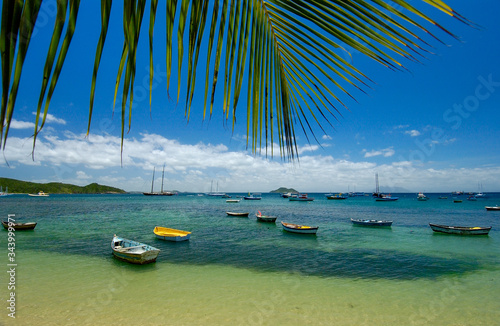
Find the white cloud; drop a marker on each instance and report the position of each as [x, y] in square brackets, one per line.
[326, 137]
[15, 124]
[412, 133]
[75, 159]
[50, 118]
[387, 152]
[82, 175]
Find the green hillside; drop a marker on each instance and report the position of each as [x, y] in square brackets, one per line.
[24, 187]
[283, 190]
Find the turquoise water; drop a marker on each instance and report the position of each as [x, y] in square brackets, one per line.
[237, 271]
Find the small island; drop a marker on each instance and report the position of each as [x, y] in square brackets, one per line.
[283, 190]
[24, 187]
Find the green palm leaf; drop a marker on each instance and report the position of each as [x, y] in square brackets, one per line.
[289, 53]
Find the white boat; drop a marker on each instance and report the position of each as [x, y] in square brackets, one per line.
[253, 197]
[422, 197]
[232, 200]
[133, 252]
[39, 194]
[297, 228]
[301, 197]
[238, 214]
[2, 193]
[171, 234]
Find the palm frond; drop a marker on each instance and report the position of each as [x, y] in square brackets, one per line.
[293, 56]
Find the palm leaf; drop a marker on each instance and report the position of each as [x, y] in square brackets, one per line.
[289, 52]
[26, 26]
[105, 14]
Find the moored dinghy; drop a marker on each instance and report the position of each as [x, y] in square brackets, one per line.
[492, 208]
[19, 226]
[171, 234]
[366, 222]
[461, 230]
[297, 228]
[265, 218]
[245, 214]
[133, 252]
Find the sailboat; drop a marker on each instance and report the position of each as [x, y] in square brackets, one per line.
[2, 193]
[161, 193]
[377, 190]
[216, 193]
[381, 197]
[164, 193]
[152, 193]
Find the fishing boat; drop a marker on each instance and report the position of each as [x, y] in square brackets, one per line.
[297, 228]
[39, 194]
[461, 230]
[422, 197]
[237, 214]
[253, 197]
[457, 200]
[382, 197]
[301, 197]
[133, 252]
[171, 234]
[19, 226]
[336, 196]
[492, 208]
[366, 222]
[265, 218]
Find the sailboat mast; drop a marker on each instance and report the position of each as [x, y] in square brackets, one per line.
[162, 174]
[376, 183]
[153, 181]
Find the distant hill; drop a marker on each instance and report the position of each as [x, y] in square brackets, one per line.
[282, 190]
[24, 187]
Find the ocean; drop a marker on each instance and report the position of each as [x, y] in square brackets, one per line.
[237, 271]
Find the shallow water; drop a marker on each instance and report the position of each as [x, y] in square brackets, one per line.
[236, 271]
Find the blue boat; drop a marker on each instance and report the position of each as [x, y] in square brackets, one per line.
[382, 197]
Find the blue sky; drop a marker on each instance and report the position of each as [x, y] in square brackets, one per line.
[432, 129]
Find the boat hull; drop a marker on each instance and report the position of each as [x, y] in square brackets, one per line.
[302, 229]
[492, 208]
[460, 230]
[237, 214]
[300, 199]
[387, 199]
[265, 218]
[19, 226]
[379, 223]
[133, 252]
[171, 234]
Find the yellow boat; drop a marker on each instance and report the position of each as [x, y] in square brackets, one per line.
[171, 234]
